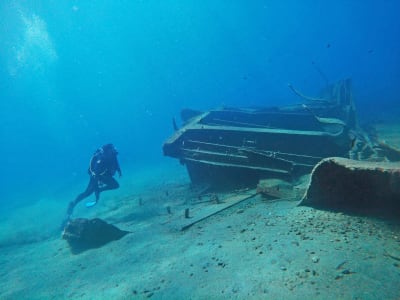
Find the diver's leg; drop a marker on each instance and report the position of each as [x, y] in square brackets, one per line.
[92, 186]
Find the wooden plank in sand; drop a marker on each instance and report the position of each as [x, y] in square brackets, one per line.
[199, 214]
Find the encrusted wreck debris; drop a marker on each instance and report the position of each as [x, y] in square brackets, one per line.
[240, 146]
[278, 189]
[358, 186]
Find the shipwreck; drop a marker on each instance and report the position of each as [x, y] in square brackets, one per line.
[241, 146]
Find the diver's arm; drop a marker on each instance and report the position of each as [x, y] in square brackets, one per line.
[90, 171]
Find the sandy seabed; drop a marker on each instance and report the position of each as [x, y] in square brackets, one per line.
[256, 249]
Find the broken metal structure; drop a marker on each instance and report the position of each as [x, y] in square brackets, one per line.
[240, 146]
[355, 186]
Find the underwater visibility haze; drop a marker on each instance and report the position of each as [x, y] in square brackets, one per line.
[75, 75]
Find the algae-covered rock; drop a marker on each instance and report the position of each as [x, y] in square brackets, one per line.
[83, 234]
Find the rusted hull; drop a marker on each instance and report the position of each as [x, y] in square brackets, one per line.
[242, 146]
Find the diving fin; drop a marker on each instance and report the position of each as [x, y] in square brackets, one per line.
[90, 204]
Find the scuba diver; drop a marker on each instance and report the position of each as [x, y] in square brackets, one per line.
[102, 167]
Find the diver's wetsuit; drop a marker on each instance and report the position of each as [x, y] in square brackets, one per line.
[102, 168]
[97, 184]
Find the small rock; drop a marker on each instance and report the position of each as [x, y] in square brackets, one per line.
[337, 277]
[315, 259]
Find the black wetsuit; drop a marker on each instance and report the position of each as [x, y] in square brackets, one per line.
[103, 166]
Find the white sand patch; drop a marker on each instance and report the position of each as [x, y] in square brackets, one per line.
[259, 249]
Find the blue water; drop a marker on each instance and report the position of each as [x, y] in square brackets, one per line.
[77, 74]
